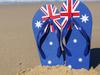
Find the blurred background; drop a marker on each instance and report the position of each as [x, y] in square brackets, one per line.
[13, 1]
[17, 45]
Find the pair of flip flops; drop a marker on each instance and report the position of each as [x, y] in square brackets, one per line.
[63, 38]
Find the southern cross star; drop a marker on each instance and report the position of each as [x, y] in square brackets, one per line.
[38, 24]
[84, 18]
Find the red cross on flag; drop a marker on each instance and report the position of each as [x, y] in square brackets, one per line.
[50, 11]
[69, 11]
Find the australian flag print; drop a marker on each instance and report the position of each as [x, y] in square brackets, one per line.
[78, 37]
[47, 35]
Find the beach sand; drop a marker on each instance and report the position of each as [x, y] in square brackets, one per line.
[58, 70]
[17, 45]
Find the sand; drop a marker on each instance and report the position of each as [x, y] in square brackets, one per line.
[17, 45]
[58, 70]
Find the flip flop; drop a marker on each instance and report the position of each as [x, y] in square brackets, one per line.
[47, 35]
[77, 34]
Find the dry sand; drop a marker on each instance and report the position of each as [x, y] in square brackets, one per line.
[17, 46]
[58, 70]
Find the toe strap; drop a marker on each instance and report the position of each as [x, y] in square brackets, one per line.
[66, 35]
[43, 35]
[85, 35]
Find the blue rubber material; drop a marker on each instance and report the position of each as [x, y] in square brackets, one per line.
[77, 42]
[50, 45]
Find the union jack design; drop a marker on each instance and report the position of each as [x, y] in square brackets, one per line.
[69, 11]
[50, 11]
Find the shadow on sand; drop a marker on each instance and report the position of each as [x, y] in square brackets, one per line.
[95, 57]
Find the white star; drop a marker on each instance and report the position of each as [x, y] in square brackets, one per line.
[75, 40]
[84, 18]
[38, 24]
[80, 59]
[70, 66]
[49, 62]
[50, 43]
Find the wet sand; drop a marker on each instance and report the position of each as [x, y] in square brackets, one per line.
[17, 46]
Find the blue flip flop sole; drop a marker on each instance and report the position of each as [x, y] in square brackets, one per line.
[77, 43]
[51, 43]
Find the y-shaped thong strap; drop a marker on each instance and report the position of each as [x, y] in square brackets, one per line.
[42, 36]
[85, 35]
[67, 33]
